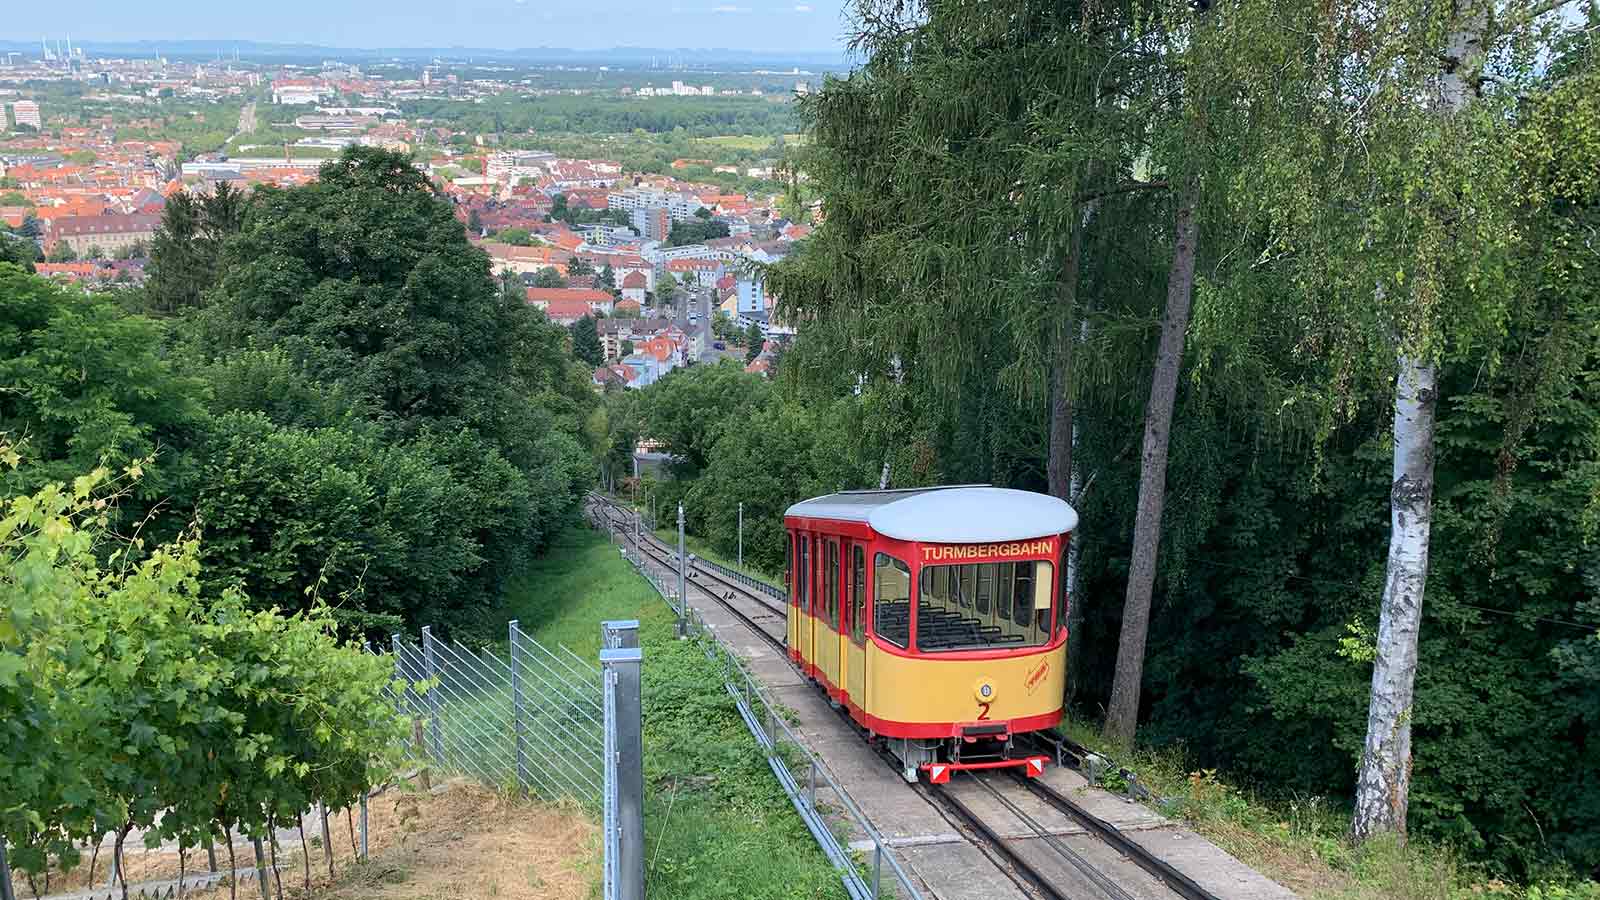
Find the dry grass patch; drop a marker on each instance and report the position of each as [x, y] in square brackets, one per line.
[459, 840]
[465, 841]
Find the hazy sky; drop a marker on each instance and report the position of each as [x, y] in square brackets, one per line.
[582, 24]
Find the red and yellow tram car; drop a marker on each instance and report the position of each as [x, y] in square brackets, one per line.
[936, 616]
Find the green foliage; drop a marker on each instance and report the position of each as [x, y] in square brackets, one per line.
[586, 341]
[548, 278]
[591, 114]
[723, 328]
[517, 237]
[695, 231]
[364, 415]
[61, 252]
[768, 458]
[689, 408]
[85, 385]
[224, 718]
[579, 265]
[186, 253]
[755, 340]
[290, 512]
[18, 250]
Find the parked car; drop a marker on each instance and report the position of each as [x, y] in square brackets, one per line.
[719, 345]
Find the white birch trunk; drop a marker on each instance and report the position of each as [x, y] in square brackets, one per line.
[1383, 786]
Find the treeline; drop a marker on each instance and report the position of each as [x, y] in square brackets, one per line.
[610, 115]
[1236, 282]
[644, 152]
[333, 389]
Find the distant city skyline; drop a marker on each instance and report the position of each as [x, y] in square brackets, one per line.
[754, 25]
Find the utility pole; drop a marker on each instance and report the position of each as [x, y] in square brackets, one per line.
[683, 579]
[741, 535]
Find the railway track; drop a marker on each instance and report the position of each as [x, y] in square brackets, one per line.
[654, 548]
[1050, 845]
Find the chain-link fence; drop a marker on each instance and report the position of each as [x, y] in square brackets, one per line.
[531, 719]
[539, 720]
[867, 866]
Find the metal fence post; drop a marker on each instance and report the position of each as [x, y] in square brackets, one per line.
[363, 824]
[400, 672]
[516, 708]
[741, 535]
[621, 668]
[431, 661]
[877, 868]
[6, 891]
[683, 577]
[811, 785]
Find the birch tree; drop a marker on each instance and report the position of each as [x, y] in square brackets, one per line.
[1390, 195]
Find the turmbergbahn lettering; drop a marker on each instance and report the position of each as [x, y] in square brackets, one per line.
[964, 552]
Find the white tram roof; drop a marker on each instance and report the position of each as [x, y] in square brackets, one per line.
[959, 514]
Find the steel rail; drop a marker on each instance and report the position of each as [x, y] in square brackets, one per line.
[708, 569]
[779, 643]
[1100, 879]
[991, 840]
[1162, 870]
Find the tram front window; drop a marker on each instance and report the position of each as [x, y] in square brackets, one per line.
[984, 606]
[891, 600]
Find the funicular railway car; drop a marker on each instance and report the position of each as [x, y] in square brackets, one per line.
[936, 616]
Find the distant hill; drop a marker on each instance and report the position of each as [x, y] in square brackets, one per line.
[278, 52]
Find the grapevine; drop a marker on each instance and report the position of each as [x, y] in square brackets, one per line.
[128, 701]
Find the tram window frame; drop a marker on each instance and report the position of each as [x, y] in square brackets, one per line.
[858, 594]
[831, 583]
[1004, 585]
[816, 571]
[801, 599]
[1022, 598]
[1063, 602]
[880, 562]
[1013, 620]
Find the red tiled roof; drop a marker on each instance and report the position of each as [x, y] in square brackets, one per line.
[567, 310]
[71, 226]
[559, 295]
[634, 280]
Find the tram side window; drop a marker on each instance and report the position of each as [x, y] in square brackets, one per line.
[858, 595]
[804, 570]
[891, 599]
[982, 606]
[830, 583]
